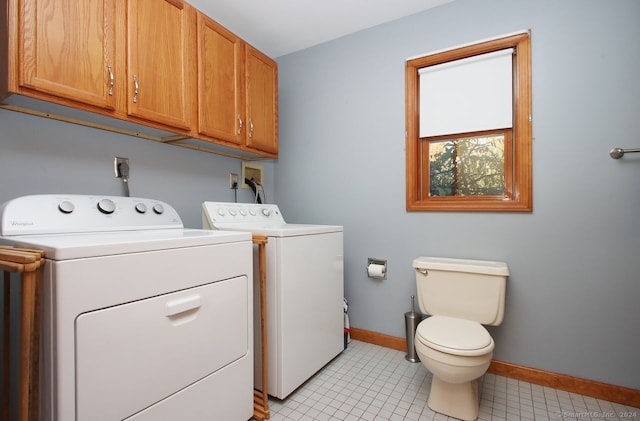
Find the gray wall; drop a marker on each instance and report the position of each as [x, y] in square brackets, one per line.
[572, 303]
[38, 155]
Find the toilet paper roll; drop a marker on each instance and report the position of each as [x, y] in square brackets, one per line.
[376, 271]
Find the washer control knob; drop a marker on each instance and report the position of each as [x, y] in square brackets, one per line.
[141, 207]
[66, 207]
[106, 206]
[158, 208]
[243, 212]
[252, 212]
[266, 212]
[232, 212]
[220, 211]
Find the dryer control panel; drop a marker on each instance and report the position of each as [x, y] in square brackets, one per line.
[73, 213]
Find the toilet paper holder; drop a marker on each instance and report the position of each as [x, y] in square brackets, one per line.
[374, 270]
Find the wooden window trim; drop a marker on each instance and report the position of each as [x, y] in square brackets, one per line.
[520, 197]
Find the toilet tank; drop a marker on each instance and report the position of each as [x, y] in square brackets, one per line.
[466, 289]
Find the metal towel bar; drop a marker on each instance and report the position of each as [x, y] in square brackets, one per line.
[617, 153]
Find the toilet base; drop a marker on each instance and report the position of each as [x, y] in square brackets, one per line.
[457, 400]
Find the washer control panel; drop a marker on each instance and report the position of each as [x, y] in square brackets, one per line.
[56, 214]
[226, 212]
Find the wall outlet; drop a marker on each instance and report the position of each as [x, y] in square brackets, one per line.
[116, 166]
[233, 181]
[252, 172]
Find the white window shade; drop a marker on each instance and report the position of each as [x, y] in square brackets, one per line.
[468, 95]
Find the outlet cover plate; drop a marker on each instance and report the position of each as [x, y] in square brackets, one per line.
[233, 181]
[116, 162]
[252, 170]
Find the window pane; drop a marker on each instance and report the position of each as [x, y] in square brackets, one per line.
[471, 166]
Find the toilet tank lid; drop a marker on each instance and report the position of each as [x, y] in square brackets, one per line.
[462, 265]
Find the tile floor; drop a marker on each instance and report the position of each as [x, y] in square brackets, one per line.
[370, 382]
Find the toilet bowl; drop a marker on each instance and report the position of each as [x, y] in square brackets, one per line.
[456, 352]
[460, 296]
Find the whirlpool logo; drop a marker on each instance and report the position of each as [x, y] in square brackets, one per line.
[22, 223]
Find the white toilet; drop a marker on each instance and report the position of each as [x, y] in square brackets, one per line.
[461, 296]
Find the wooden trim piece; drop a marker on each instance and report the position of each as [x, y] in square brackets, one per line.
[376, 338]
[212, 150]
[27, 263]
[4, 48]
[599, 390]
[261, 398]
[72, 120]
[6, 340]
[586, 387]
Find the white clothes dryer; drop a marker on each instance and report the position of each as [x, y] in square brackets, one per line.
[305, 290]
[142, 319]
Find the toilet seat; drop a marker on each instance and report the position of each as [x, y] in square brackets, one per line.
[454, 336]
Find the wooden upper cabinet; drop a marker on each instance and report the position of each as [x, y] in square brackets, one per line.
[220, 82]
[161, 61]
[261, 101]
[157, 63]
[237, 90]
[68, 49]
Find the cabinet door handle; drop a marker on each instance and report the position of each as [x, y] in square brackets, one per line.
[111, 80]
[239, 124]
[136, 88]
[250, 127]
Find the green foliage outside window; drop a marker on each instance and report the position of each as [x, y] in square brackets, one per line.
[472, 166]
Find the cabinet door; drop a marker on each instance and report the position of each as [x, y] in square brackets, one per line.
[161, 54]
[262, 101]
[220, 83]
[68, 49]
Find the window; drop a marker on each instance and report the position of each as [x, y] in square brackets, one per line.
[468, 145]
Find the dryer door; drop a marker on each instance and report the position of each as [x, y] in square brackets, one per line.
[130, 356]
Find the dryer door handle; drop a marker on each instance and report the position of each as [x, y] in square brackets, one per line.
[182, 305]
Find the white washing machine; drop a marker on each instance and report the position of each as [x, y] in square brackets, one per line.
[141, 318]
[305, 290]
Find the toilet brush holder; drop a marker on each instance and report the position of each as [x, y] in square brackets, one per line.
[411, 321]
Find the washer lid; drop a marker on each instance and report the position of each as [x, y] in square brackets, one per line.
[279, 229]
[455, 336]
